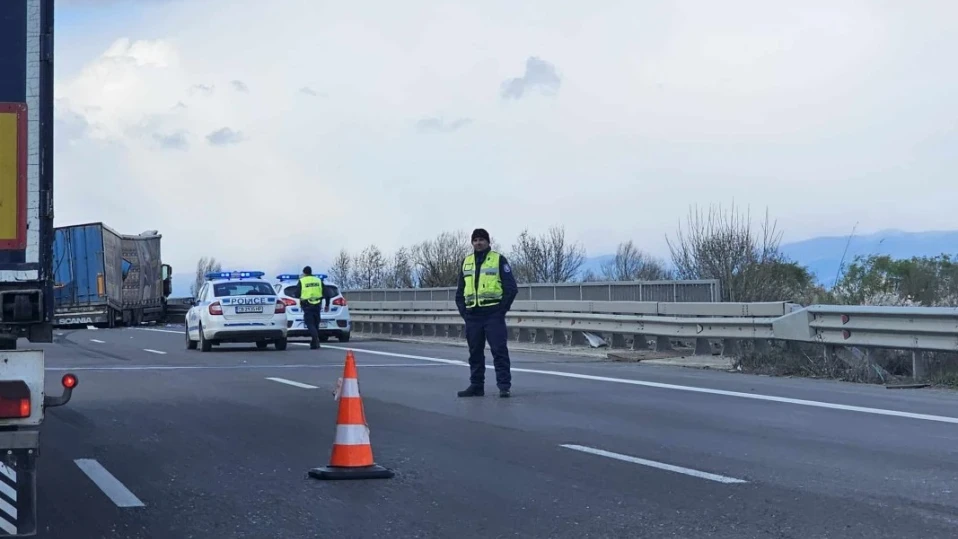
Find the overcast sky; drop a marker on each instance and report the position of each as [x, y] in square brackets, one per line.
[218, 122]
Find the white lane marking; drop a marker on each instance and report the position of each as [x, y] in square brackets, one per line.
[229, 367]
[654, 464]
[660, 385]
[152, 351]
[97, 341]
[291, 383]
[111, 486]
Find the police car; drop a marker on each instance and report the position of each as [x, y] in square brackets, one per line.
[334, 322]
[236, 307]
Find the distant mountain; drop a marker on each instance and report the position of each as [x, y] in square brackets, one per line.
[823, 255]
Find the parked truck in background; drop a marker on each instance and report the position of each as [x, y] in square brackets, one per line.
[104, 278]
[26, 252]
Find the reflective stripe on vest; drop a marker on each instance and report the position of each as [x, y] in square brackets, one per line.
[489, 289]
[311, 289]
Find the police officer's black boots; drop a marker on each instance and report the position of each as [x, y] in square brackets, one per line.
[473, 391]
[504, 393]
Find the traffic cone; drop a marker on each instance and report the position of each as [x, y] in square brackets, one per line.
[352, 455]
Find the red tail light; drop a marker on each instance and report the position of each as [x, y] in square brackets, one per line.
[340, 301]
[216, 308]
[289, 302]
[280, 306]
[14, 400]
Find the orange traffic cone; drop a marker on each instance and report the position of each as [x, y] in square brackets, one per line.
[352, 455]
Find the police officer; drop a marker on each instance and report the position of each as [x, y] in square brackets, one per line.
[310, 299]
[486, 291]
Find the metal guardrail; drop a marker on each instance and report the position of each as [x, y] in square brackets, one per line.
[630, 325]
[706, 291]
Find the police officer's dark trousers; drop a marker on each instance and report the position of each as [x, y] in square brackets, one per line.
[482, 327]
[312, 315]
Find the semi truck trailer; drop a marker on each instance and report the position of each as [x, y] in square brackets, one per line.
[26, 254]
[104, 278]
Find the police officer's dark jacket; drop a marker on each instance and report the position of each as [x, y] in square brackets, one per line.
[509, 287]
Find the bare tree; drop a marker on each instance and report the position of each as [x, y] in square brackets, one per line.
[400, 271]
[370, 268]
[546, 259]
[631, 264]
[341, 272]
[722, 245]
[438, 262]
[203, 266]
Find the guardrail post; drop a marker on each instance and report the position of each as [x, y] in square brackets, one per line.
[418, 330]
[576, 338]
[731, 348]
[524, 335]
[618, 341]
[918, 365]
[540, 336]
[703, 347]
[663, 344]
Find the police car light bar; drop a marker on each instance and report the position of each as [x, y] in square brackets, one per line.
[234, 275]
[287, 277]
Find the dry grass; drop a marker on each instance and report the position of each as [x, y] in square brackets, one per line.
[873, 366]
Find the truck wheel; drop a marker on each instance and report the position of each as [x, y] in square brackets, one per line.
[190, 343]
[280, 344]
[343, 337]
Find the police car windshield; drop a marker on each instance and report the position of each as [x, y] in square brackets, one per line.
[242, 289]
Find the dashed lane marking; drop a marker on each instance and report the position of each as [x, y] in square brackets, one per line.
[97, 341]
[111, 486]
[654, 464]
[152, 351]
[660, 385]
[291, 383]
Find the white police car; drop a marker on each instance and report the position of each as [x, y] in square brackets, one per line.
[334, 322]
[236, 307]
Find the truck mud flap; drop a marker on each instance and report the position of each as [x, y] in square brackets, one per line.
[18, 493]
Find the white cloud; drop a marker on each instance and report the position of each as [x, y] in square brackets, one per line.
[394, 115]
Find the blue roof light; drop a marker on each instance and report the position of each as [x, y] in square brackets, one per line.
[322, 276]
[234, 275]
[287, 277]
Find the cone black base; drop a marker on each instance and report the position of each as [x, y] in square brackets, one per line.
[365, 472]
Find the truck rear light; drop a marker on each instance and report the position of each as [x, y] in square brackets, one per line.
[289, 302]
[69, 381]
[14, 399]
[280, 307]
[215, 308]
[340, 301]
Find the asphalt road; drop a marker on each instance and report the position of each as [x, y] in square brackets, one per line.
[206, 445]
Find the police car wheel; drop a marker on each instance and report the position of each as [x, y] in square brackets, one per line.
[190, 343]
[205, 345]
[280, 344]
[262, 345]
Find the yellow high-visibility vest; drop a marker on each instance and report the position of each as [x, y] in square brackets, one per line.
[311, 289]
[489, 289]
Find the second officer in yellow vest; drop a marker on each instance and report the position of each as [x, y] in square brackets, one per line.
[486, 291]
[311, 299]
